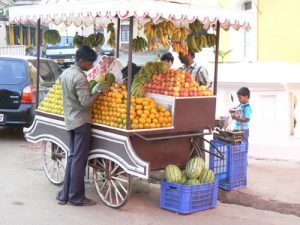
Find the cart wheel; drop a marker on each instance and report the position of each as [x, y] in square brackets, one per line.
[196, 149]
[113, 184]
[55, 162]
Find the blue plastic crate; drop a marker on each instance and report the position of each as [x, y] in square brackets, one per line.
[188, 199]
[231, 172]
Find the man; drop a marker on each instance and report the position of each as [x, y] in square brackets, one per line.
[168, 58]
[198, 73]
[77, 101]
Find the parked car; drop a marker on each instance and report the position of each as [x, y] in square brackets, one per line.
[107, 50]
[18, 75]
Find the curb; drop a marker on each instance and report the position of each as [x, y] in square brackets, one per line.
[244, 197]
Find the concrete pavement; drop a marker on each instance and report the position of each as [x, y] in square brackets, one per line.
[27, 198]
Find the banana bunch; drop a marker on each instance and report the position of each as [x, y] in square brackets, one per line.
[112, 37]
[94, 40]
[162, 39]
[180, 34]
[169, 28]
[78, 40]
[211, 40]
[137, 89]
[139, 44]
[150, 30]
[180, 47]
[196, 26]
[52, 37]
[196, 42]
[152, 45]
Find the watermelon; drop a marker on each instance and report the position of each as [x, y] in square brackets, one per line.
[92, 84]
[207, 176]
[173, 174]
[183, 177]
[194, 167]
[192, 182]
[110, 77]
[101, 85]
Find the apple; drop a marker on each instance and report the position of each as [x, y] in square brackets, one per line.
[170, 88]
[176, 94]
[176, 89]
[166, 93]
[186, 85]
[191, 93]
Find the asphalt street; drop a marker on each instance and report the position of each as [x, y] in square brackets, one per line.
[28, 198]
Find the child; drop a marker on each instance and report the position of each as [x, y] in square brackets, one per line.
[242, 117]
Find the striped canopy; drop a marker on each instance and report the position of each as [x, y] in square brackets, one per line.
[86, 12]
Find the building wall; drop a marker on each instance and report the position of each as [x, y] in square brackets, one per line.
[278, 30]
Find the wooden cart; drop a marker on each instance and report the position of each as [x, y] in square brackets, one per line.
[118, 154]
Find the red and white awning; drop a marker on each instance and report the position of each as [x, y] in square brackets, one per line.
[80, 12]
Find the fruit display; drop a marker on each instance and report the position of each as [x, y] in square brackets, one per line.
[93, 40]
[52, 37]
[175, 83]
[52, 103]
[139, 44]
[111, 110]
[173, 174]
[194, 167]
[194, 173]
[112, 37]
[145, 75]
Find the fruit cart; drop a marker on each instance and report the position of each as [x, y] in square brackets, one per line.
[118, 153]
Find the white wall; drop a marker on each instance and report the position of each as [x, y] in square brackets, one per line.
[3, 41]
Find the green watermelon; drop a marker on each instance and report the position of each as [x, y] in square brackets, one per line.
[92, 84]
[183, 177]
[194, 167]
[173, 174]
[207, 176]
[192, 182]
[110, 77]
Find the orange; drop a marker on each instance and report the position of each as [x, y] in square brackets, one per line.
[157, 115]
[161, 120]
[139, 112]
[145, 103]
[139, 100]
[151, 116]
[146, 125]
[123, 110]
[132, 117]
[152, 125]
[168, 125]
[146, 107]
[139, 107]
[142, 120]
[158, 125]
[124, 121]
[147, 112]
[155, 121]
[120, 126]
[134, 126]
[119, 100]
[135, 121]
[144, 116]
[140, 126]
[123, 116]
[154, 111]
[148, 120]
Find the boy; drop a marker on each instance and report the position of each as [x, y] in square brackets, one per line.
[168, 58]
[243, 114]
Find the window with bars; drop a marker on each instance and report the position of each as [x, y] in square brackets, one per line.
[125, 33]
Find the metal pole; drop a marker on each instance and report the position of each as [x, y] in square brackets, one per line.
[118, 38]
[216, 58]
[38, 46]
[129, 73]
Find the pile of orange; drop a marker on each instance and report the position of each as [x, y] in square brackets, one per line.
[111, 110]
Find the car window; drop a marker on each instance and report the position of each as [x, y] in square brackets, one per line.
[45, 71]
[12, 71]
[55, 69]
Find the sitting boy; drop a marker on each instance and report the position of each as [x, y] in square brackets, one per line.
[243, 113]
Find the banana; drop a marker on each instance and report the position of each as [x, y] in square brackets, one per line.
[191, 42]
[204, 40]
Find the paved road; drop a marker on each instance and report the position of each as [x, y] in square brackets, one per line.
[27, 198]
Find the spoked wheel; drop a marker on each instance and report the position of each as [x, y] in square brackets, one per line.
[55, 162]
[196, 148]
[113, 184]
